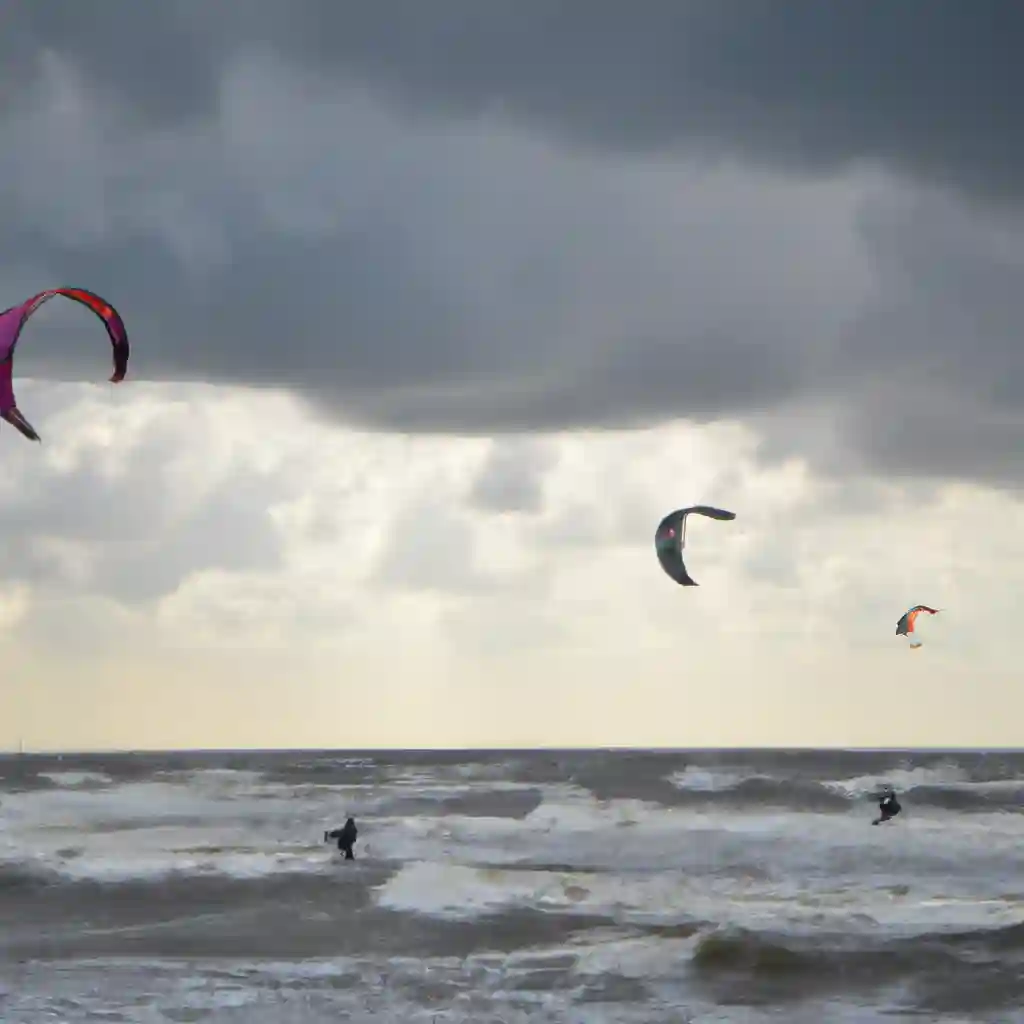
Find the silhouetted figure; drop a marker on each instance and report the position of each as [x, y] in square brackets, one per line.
[888, 807]
[346, 836]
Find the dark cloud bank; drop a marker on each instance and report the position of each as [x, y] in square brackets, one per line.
[436, 272]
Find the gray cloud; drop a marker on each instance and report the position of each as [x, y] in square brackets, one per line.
[430, 547]
[433, 546]
[512, 478]
[242, 188]
[86, 529]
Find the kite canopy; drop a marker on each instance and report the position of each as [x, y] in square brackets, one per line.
[14, 319]
[905, 627]
[670, 539]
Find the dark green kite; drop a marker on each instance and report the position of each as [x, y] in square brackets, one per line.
[670, 539]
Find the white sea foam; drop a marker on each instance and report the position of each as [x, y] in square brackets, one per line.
[72, 779]
[902, 779]
[459, 892]
[707, 780]
[630, 859]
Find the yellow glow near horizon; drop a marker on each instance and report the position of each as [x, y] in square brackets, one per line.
[303, 585]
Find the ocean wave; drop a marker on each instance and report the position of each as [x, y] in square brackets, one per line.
[904, 779]
[971, 971]
[947, 786]
[317, 917]
[18, 879]
[737, 791]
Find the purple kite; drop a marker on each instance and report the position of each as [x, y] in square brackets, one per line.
[14, 319]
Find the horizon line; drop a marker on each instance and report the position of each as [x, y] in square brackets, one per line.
[543, 749]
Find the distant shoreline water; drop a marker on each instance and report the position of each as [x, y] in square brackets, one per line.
[469, 752]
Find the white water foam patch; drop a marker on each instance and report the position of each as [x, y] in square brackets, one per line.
[484, 990]
[131, 831]
[475, 775]
[339, 763]
[217, 783]
[454, 892]
[641, 958]
[572, 827]
[212, 794]
[569, 808]
[233, 825]
[902, 779]
[479, 989]
[242, 827]
[141, 803]
[112, 864]
[71, 780]
[751, 870]
[705, 780]
[461, 893]
[159, 852]
[204, 821]
[143, 823]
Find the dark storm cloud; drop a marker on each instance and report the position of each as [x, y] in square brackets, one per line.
[932, 374]
[221, 170]
[930, 85]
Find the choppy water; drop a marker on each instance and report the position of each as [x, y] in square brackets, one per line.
[594, 886]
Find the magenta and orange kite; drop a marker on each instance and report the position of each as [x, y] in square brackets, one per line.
[13, 320]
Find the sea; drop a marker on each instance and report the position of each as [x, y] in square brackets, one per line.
[514, 886]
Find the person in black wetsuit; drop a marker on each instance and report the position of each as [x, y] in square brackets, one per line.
[888, 807]
[346, 836]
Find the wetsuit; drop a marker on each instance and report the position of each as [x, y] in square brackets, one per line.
[346, 837]
[888, 807]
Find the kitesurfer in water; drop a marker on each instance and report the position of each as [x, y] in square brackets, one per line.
[346, 836]
[888, 807]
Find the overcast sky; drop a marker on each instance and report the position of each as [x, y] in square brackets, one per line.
[437, 308]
